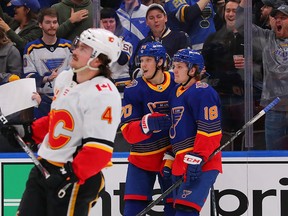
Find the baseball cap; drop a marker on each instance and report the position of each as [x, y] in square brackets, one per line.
[33, 5]
[155, 6]
[269, 2]
[283, 9]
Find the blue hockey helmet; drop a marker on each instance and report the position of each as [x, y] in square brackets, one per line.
[154, 49]
[190, 57]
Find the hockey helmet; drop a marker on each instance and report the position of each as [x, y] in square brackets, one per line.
[102, 41]
[190, 57]
[154, 49]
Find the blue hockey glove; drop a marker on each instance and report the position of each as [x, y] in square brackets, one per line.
[194, 168]
[154, 122]
[166, 167]
[64, 176]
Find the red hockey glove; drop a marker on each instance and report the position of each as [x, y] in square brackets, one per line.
[155, 121]
[194, 168]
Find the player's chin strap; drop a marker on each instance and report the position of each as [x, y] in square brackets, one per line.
[189, 77]
[86, 67]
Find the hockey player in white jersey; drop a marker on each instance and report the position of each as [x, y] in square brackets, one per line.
[84, 117]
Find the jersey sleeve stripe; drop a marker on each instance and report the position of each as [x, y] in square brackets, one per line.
[100, 146]
[94, 140]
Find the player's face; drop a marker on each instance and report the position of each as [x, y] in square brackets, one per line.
[156, 21]
[230, 14]
[180, 70]
[80, 55]
[148, 65]
[49, 25]
[109, 24]
[281, 25]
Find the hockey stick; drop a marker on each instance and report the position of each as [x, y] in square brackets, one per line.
[30, 153]
[44, 172]
[216, 151]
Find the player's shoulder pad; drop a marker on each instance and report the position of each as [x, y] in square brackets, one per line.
[200, 84]
[133, 83]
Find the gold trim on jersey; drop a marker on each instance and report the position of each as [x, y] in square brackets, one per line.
[152, 152]
[32, 46]
[100, 146]
[209, 134]
[180, 91]
[185, 150]
[160, 87]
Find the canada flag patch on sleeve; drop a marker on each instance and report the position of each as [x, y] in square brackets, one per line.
[104, 86]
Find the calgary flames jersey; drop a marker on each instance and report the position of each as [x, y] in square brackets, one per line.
[83, 122]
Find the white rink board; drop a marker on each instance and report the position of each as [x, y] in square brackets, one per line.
[244, 180]
[250, 186]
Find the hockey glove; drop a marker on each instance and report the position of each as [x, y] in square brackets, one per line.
[194, 168]
[166, 168]
[63, 177]
[24, 131]
[155, 122]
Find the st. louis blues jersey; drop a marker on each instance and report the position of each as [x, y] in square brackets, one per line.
[141, 98]
[196, 117]
[40, 60]
[198, 30]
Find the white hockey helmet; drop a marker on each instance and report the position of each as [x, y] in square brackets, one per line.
[102, 41]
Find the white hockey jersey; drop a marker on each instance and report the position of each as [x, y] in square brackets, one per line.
[85, 114]
[40, 60]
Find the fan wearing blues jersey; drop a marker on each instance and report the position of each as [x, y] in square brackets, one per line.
[45, 58]
[194, 134]
[145, 124]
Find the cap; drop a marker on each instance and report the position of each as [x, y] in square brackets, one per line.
[155, 6]
[283, 9]
[33, 5]
[269, 2]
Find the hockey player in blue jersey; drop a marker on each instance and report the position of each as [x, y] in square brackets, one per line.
[192, 16]
[194, 134]
[145, 126]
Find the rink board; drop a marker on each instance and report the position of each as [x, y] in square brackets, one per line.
[252, 184]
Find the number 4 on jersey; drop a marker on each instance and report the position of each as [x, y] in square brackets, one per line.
[107, 115]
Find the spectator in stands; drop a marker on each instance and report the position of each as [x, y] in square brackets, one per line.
[132, 16]
[223, 52]
[45, 58]
[23, 28]
[10, 60]
[110, 21]
[192, 16]
[75, 16]
[156, 19]
[275, 83]
[266, 9]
